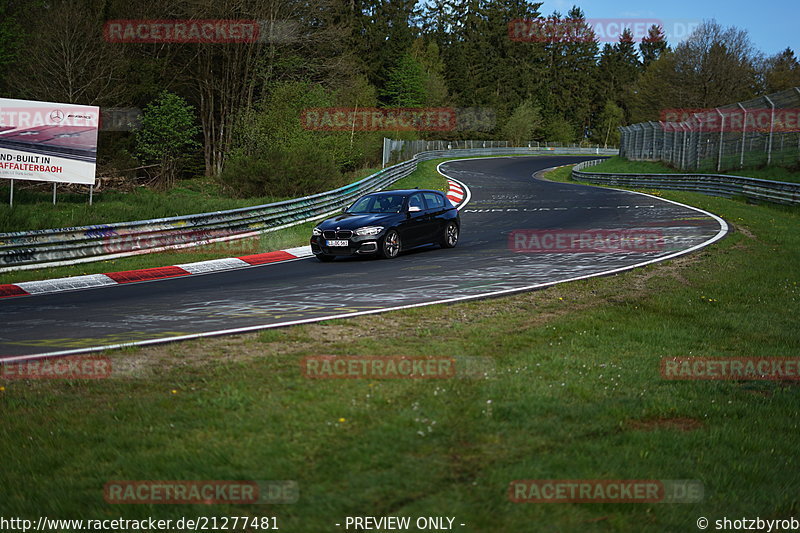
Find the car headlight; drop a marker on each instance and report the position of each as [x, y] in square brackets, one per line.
[316, 232]
[369, 230]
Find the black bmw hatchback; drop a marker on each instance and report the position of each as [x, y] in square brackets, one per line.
[385, 223]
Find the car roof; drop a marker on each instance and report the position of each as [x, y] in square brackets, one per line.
[403, 191]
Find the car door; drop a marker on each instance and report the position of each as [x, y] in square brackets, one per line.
[414, 228]
[435, 223]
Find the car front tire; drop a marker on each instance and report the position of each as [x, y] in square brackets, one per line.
[390, 245]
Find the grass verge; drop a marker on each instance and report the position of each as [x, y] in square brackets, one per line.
[620, 164]
[33, 209]
[576, 394]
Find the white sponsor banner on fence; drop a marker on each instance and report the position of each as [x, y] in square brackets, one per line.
[45, 141]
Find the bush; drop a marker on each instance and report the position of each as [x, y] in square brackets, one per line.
[281, 172]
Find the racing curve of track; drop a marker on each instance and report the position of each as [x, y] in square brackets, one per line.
[505, 197]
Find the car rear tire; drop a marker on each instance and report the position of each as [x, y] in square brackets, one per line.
[449, 235]
[390, 246]
[325, 258]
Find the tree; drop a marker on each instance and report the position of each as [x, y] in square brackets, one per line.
[653, 45]
[167, 133]
[559, 130]
[525, 119]
[427, 54]
[781, 71]
[610, 118]
[65, 57]
[618, 70]
[11, 36]
[716, 65]
[486, 68]
[656, 90]
[572, 68]
[382, 33]
[405, 83]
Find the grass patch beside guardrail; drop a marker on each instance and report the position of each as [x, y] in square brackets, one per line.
[622, 165]
[34, 209]
[577, 394]
[425, 176]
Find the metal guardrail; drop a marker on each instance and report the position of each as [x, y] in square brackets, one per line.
[713, 184]
[52, 247]
[399, 150]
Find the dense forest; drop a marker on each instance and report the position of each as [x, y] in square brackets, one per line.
[232, 110]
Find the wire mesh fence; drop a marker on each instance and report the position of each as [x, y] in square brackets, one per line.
[400, 150]
[759, 132]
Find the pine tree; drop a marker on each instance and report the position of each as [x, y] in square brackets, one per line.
[426, 52]
[619, 69]
[653, 45]
[571, 74]
[782, 72]
[405, 83]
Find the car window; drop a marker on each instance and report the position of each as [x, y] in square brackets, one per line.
[434, 201]
[415, 200]
[378, 203]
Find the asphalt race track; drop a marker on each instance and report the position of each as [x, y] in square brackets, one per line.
[505, 197]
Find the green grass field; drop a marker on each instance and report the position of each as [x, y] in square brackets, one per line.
[576, 394]
[620, 164]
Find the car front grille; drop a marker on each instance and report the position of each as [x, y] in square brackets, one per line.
[341, 234]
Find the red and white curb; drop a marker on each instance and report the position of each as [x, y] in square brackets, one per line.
[456, 194]
[29, 288]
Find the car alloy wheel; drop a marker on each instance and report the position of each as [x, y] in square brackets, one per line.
[450, 236]
[391, 244]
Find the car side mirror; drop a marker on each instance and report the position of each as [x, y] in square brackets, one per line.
[413, 209]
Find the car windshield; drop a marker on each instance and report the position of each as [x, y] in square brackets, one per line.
[378, 203]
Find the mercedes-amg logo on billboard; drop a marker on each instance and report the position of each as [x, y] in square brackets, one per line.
[57, 115]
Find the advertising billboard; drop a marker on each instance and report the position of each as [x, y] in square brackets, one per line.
[44, 141]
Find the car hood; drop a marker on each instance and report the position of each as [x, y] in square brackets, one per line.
[353, 221]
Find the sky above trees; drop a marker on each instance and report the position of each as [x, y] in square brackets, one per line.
[772, 26]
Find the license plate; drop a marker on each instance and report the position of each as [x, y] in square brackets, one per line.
[338, 244]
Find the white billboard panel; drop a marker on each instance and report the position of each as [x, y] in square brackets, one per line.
[45, 141]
